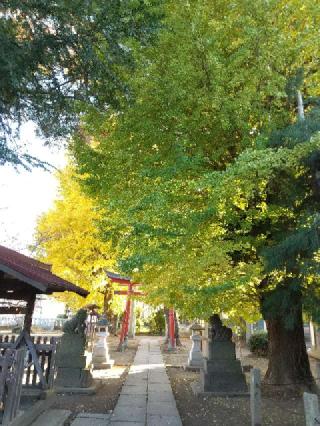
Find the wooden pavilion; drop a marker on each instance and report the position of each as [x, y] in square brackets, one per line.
[24, 360]
[22, 278]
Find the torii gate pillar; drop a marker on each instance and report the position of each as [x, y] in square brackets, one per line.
[132, 321]
[171, 331]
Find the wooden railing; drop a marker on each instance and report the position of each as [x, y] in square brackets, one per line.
[11, 374]
[39, 364]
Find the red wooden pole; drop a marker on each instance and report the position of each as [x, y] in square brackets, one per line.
[129, 307]
[126, 317]
[123, 329]
[172, 340]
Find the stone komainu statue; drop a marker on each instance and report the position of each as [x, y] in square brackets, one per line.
[72, 370]
[77, 324]
[219, 332]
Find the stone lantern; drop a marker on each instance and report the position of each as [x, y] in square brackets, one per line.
[100, 355]
[195, 360]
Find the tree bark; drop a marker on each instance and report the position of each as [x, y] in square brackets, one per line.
[29, 312]
[288, 358]
[107, 299]
[177, 330]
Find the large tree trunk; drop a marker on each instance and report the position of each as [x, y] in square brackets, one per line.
[288, 359]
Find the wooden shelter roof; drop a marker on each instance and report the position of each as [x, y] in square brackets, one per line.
[16, 268]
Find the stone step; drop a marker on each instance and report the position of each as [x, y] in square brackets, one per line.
[52, 417]
[91, 419]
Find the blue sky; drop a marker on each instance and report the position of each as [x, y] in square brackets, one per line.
[25, 195]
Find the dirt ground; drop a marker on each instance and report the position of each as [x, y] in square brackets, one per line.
[109, 383]
[278, 408]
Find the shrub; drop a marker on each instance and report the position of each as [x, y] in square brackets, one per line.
[157, 323]
[258, 343]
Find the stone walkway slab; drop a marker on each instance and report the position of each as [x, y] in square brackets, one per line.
[146, 398]
[161, 408]
[132, 401]
[164, 421]
[89, 421]
[126, 423]
[132, 414]
[161, 397]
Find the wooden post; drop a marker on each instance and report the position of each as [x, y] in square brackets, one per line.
[132, 321]
[312, 335]
[14, 385]
[248, 331]
[255, 397]
[29, 312]
[172, 340]
[317, 371]
[125, 322]
[300, 106]
[128, 309]
[311, 409]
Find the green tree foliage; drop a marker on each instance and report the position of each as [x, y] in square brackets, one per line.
[216, 79]
[216, 207]
[60, 57]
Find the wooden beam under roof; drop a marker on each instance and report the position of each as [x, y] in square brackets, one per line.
[25, 279]
[12, 310]
[18, 295]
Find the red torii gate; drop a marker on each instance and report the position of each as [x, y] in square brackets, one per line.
[126, 281]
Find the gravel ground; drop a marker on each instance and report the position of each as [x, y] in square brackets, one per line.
[278, 408]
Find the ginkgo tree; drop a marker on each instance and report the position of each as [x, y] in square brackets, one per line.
[180, 168]
[67, 237]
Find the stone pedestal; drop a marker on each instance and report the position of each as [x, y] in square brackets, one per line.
[195, 360]
[100, 355]
[222, 372]
[71, 363]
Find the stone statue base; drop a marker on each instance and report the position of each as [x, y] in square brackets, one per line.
[222, 373]
[100, 356]
[195, 360]
[72, 371]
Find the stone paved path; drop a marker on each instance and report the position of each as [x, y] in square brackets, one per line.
[146, 397]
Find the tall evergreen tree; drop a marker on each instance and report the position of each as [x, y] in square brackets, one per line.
[59, 58]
